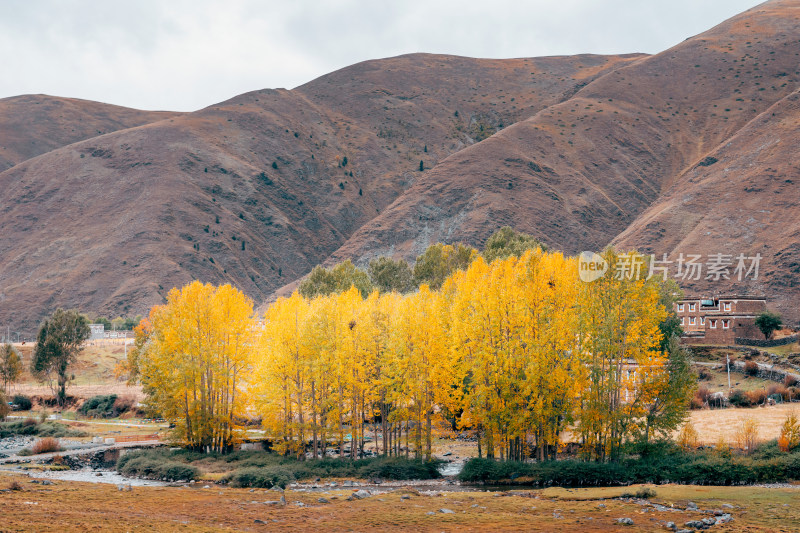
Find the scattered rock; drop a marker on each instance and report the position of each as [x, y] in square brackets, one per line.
[323, 500]
[724, 519]
[405, 497]
[447, 454]
[672, 525]
[691, 506]
[360, 495]
[257, 521]
[695, 524]
[446, 511]
[726, 506]
[430, 513]
[282, 501]
[601, 506]
[625, 521]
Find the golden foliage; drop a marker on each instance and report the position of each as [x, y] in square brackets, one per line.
[789, 438]
[747, 435]
[193, 355]
[519, 349]
[688, 439]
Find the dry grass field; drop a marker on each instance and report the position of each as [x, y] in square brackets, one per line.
[711, 424]
[94, 372]
[89, 507]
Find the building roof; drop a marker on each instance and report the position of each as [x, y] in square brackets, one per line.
[724, 297]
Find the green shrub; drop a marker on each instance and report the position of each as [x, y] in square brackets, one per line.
[398, 468]
[152, 466]
[99, 406]
[739, 398]
[644, 493]
[263, 477]
[22, 402]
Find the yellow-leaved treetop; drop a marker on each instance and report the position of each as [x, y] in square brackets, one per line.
[194, 357]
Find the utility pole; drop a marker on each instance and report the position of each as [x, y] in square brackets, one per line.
[728, 364]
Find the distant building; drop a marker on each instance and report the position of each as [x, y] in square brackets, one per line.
[720, 320]
[97, 331]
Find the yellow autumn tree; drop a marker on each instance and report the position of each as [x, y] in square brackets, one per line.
[515, 323]
[193, 358]
[620, 337]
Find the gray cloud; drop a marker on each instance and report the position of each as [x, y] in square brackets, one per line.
[184, 55]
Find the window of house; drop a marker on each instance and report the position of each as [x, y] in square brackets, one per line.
[691, 307]
[692, 321]
[713, 324]
[726, 324]
[680, 308]
[727, 306]
[683, 320]
[702, 321]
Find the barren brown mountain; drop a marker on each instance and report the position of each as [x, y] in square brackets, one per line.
[252, 191]
[688, 151]
[33, 124]
[692, 150]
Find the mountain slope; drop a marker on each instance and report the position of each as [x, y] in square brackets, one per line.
[743, 199]
[581, 172]
[34, 124]
[253, 191]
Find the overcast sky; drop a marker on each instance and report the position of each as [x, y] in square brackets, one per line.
[187, 54]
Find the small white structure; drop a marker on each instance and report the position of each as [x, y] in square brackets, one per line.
[97, 331]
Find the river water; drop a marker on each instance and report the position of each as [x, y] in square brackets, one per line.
[91, 476]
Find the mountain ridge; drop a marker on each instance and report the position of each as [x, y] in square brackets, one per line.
[253, 191]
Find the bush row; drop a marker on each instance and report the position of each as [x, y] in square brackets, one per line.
[701, 468]
[30, 427]
[146, 466]
[267, 469]
[106, 406]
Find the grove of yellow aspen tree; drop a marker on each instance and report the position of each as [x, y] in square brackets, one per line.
[518, 349]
